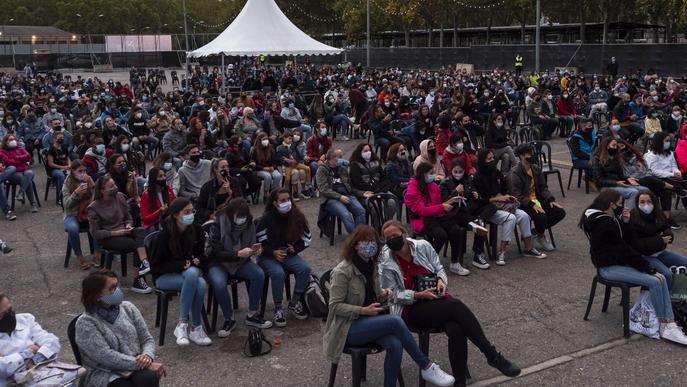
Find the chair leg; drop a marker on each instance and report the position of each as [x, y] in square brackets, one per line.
[215, 312]
[68, 254]
[332, 374]
[235, 295]
[356, 369]
[553, 242]
[287, 285]
[363, 368]
[572, 170]
[263, 303]
[47, 189]
[158, 311]
[124, 264]
[607, 296]
[206, 322]
[560, 182]
[626, 310]
[35, 194]
[592, 293]
[163, 320]
[579, 177]
[108, 261]
[90, 242]
[423, 338]
[400, 379]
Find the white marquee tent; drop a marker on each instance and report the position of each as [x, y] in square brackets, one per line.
[262, 29]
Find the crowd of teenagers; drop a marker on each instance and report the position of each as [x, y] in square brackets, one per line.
[174, 177]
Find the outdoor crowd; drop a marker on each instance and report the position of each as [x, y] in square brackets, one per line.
[170, 178]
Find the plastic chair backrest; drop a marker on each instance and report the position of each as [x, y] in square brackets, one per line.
[542, 153]
[376, 206]
[71, 333]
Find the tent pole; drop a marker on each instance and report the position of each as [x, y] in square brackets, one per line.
[224, 76]
[183, 3]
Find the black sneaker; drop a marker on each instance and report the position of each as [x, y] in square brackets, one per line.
[298, 311]
[5, 248]
[296, 196]
[673, 224]
[306, 194]
[504, 365]
[140, 286]
[480, 261]
[279, 319]
[144, 268]
[679, 191]
[534, 253]
[227, 328]
[258, 322]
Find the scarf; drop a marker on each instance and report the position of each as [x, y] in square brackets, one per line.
[367, 270]
[108, 314]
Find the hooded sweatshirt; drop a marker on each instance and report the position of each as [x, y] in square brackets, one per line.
[192, 178]
[610, 242]
[438, 170]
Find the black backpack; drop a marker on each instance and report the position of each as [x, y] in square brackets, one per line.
[680, 312]
[316, 296]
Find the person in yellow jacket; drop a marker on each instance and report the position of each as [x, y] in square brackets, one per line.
[519, 64]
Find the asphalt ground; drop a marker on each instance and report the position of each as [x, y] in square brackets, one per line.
[530, 309]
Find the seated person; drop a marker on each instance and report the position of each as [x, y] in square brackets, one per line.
[456, 149]
[567, 112]
[528, 185]
[174, 142]
[537, 115]
[155, 199]
[295, 172]
[283, 233]
[241, 167]
[496, 139]
[110, 223]
[379, 123]
[606, 224]
[652, 124]
[582, 142]
[265, 158]
[177, 259]
[217, 191]
[77, 195]
[355, 315]
[193, 174]
[165, 163]
[368, 178]
[400, 261]
[622, 112]
[232, 243]
[428, 154]
[317, 147]
[336, 193]
[16, 158]
[398, 169]
[116, 346]
[96, 158]
[24, 344]
[608, 165]
[58, 161]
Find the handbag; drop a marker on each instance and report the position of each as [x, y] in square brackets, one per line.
[507, 206]
[253, 346]
[679, 290]
[49, 374]
[424, 281]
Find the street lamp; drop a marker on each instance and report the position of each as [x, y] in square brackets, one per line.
[183, 3]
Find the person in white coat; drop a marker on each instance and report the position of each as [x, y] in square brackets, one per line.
[23, 342]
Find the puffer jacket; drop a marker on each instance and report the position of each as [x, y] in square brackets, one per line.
[421, 206]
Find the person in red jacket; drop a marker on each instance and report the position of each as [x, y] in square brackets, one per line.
[566, 112]
[155, 198]
[456, 150]
[317, 146]
[12, 155]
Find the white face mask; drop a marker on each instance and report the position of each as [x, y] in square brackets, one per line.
[12, 144]
[284, 207]
[296, 138]
[367, 155]
[125, 148]
[162, 113]
[458, 176]
[240, 221]
[458, 148]
[265, 142]
[88, 125]
[647, 208]
[139, 115]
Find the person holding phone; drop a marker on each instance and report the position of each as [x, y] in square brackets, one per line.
[221, 188]
[653, 234]
[403, 258]
[155, 198]
[77, 194]
[177, 263]
[232, 244]
[355, 315]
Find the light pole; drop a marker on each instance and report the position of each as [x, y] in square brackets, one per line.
[183, 3]
[368, 34]
[537, 38]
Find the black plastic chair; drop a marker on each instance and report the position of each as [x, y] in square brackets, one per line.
[49, 182]
[359, 364]
[287, 287]
[329, 226]
[376, 208]
[12, 186]
[580, 171]
[71, 334]
[68, 254]
[542, 153]
[624, 301]
[108, 256]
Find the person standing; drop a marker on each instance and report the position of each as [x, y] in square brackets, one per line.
[519, 64]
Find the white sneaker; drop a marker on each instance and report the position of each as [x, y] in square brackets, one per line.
[456, 268]
[544, 243]
[199, 337]
[436, 376]
[672, 332]
[181, 333]
[501, 260]
[478, 228]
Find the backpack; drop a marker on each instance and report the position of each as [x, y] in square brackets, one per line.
[680, 312]
[316, 296]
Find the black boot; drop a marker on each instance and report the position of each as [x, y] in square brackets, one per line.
[502, 364]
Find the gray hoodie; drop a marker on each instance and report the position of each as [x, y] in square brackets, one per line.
[192, 178]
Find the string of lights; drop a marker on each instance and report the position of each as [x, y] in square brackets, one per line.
[296, 7]
[395, 13]
[478, 6]
[205, 25]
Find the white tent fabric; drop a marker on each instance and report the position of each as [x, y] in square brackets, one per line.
[262, 29]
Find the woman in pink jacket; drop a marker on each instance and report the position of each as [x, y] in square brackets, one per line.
[12, 155]
[430, 216]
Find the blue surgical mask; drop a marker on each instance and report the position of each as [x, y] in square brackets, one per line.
[367, 250]
[429, 179]
[187, 219]
[615, 128]
[341, 163]
[100, 148]
[666, 146]
[115, 298]
[167, 166]
[323, 132]
[125, 148]
[285, 207]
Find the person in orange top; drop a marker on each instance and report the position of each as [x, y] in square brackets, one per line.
[155, 198]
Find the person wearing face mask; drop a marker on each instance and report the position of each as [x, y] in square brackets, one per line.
[177, 263]
[77, 194]
[231, 244]
[165, 163]
[567, 112]
[289, 111]
[528, 185]
[497, 140]
[368, 178]
[581, 145]
[127, 182]
[8, 124]
[24, 343]
[675, 122]
[335, 116]
[214, 194]
[161, 122]
[174, 142]
[597, 100]
[428, 154]
[356, 316]
[403, 258]
[606, 223]
[111, 224]
[608, 171]
[398, 169]
[138, 126]
[652, 125]
[295, 172]
[265, 158]
[31, 131]
[155, 199]
[317, 147]
[56, 127]
[194, 173]
[456, 150]
[283, 233]
[57, 163]
[379, 123]
[116, 346]
[336, 193]
[626, 119]
[52, 114]
[661, 163]
[539, 115]
[16, 162]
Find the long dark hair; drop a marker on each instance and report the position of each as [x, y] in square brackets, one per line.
[99, 184]
[482, 166]
[153, 189]
[656, 216]
[601, 202]
[180, 243]
[296, 223]
[419, 176]
[656, 144]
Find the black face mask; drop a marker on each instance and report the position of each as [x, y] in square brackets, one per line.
[161, 183]
[612, 151]
[531, 160]
[8, 323]
[195, 158]
[432, 152]
[395, 243]
[224, 173]
[618, 211]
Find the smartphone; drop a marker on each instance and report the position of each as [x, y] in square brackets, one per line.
[256, 246]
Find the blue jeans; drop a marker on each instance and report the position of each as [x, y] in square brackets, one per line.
[341, 120]
[351, 214]
[249, 271]
[9, 171]
[670, 258]
[307, 131]
[313, 167]
[410, 132]
[660, 295]
[71, 225]
[629, 193]
[392, 334]
[25, 181]
[58, 177]
[192, 286]
[276, 271]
